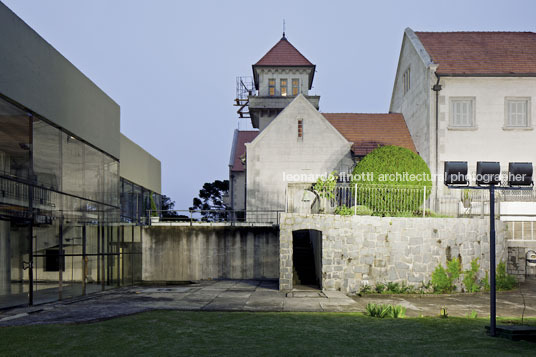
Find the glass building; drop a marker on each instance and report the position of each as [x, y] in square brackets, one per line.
[70, 224]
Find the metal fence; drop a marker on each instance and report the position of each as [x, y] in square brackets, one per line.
[381, 200]
[399, 200]
[270, 217]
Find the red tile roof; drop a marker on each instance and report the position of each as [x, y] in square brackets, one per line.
[368, 131]
[481, 53]
[239, 147]
[283, 54]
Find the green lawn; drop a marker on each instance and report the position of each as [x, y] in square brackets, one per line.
[242, 333]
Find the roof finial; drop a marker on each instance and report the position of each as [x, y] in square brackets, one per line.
[284, 28]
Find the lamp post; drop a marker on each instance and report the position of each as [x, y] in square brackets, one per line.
[488, 177]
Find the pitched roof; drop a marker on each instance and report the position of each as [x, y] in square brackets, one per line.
[239, 148]
[368, 131]
[481, 53]
[284, 54]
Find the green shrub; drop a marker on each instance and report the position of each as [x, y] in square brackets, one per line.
[383, 164]
[383, 310]
[470, 278]
[443, 279]
[350, 211]
[398, 311]
[472, 315]
[440, 280]
[379, 288]
[504, 281]
[366, 289]
[325, 186]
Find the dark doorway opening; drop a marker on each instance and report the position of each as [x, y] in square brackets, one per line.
[307, 259]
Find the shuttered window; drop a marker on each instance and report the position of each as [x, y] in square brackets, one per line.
[517, 114]
[462, 113]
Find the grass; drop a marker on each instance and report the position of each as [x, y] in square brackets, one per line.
[242, 333]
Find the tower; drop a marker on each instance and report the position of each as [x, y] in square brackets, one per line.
[278, 77]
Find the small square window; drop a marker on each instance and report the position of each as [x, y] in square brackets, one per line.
[283, 86]
[295, 86]
[462, 112]
[517, 112]
[271, 87]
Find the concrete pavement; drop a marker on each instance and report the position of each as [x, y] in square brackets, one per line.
[253, 295]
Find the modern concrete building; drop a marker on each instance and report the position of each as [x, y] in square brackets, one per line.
[72, 188]
[468, 96]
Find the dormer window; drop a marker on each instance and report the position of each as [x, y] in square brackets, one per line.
[283, 86]
[271, 87]
[295, 86]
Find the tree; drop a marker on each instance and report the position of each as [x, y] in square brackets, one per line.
[210, 200]
[168, 211]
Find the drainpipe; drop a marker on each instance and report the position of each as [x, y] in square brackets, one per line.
[437, 88]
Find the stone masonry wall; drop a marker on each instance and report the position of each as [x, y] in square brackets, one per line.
[360, 250]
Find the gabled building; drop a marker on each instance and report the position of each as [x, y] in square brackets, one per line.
[468, 96]
[295, 142]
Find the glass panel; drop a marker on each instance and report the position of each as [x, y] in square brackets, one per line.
[14, 251]
[47, 154]
[73, 167]
[14, 141]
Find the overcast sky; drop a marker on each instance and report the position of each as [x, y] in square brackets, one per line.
[171, 65]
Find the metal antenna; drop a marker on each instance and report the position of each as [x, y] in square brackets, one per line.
[283, 28]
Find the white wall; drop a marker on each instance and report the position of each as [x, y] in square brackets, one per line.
[415, 104]
[489, 141]
[278, 150]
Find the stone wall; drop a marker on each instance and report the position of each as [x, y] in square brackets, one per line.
[186, 253]
[360, 250]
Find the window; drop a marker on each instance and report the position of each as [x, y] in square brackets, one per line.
[407, 83]
[283, 86]
[462, 112]
[300, 128]
[52, 260]
[295, 86]
[271, 87]
[517, 113]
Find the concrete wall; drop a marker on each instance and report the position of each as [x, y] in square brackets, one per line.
[184, 253]
[238, 190]
[278, 151]
[37, 76]
[140, 167]
[360, 250]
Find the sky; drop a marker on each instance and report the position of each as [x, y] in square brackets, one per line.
[172, 65]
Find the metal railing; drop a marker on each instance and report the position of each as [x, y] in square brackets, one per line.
[399, 200]
[381, 200]
[215, 216]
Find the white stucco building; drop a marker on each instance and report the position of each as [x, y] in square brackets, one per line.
[468, 96]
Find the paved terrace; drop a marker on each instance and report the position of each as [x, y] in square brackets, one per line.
[246, 295]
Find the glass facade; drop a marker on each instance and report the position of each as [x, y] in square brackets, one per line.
[68, 224]
[136, 202]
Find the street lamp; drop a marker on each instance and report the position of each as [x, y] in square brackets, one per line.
[488, 177]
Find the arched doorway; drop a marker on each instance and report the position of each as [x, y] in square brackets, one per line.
[307, 259]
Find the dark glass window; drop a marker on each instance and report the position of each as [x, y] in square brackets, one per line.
[52, 260]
